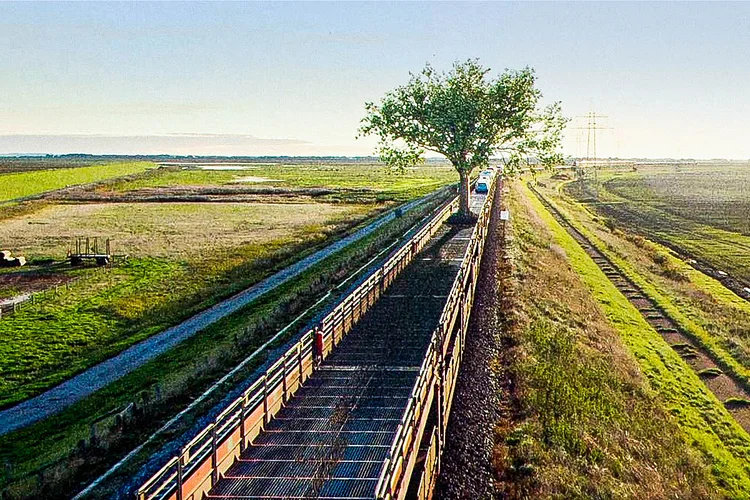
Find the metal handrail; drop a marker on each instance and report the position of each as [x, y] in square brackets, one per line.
[460, 289]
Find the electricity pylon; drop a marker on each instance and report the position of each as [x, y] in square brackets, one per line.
[591, 127]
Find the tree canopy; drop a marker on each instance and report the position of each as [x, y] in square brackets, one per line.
[467, 117]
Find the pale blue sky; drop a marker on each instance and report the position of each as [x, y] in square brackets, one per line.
[260, 78]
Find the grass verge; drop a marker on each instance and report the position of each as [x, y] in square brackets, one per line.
[695, 415]
[25, 184]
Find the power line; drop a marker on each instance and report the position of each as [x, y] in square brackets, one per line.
[591, 158]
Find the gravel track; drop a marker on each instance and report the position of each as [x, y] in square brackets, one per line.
[466, 470]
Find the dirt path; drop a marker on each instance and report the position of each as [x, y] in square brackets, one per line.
[99, 376]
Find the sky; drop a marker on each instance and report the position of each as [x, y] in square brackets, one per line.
[292, 78]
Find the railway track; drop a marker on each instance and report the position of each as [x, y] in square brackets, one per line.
[736, 285]
[724, 387]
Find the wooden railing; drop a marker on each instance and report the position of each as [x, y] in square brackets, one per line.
[437, 377]
[200, 463]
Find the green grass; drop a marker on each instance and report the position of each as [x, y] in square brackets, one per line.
[703, 419]
[49, 449]
[20, 185]
[726, 345]
[106, 311]
[705, 211]
[374, 178]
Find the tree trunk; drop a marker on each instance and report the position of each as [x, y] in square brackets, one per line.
[463, 194]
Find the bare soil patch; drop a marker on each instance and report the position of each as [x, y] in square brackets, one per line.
[29, 282]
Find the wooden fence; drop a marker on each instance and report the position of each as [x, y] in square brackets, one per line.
[196, 469]
[32, 298]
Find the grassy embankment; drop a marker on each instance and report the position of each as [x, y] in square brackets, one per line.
[54, 457]
[593, 420]
[713, 316]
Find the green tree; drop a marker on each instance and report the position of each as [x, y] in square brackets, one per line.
[467, 117]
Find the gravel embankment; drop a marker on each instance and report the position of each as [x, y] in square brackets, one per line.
[467, 471]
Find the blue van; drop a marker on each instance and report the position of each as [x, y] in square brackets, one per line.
[482, 186]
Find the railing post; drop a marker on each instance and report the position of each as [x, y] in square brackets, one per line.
[283, 379]
[243, 431]
[299, 363]
[265, 399]
[214, 464]
[441, 387]
[179, 475]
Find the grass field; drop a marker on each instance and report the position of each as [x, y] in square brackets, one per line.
[703, 210]
[182, 257]
[20, 185]
[46, 458]
[589, 392]
[183, 231]
[371, 179]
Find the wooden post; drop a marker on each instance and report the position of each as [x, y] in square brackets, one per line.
[283, 378]
[179, 476]
[214, 461]
[299, 362]
[243, 431]
[265, 399]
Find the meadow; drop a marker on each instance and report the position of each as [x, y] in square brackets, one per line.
[186, 231]
[716, 195]
[181, 257]
[352, 182]
[703, 210]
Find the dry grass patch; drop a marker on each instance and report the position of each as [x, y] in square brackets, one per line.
[185, 231]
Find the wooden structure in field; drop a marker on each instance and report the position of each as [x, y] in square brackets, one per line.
[7, 260]
[88, 249]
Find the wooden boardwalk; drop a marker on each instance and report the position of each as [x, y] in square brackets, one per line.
[333, 437]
